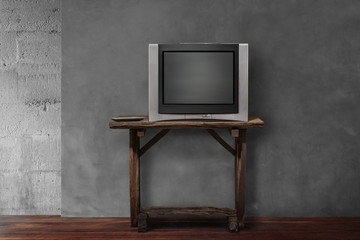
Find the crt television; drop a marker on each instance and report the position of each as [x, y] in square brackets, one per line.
[198, 81]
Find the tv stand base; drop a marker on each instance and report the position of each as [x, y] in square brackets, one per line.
[139, 216]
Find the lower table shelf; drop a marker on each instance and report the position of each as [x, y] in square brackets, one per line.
[230, 213]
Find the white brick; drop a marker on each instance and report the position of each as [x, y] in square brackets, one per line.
[30, 153]
[27, 154]
[30, 68]
[30, 15]
[39, 87]
[43, 117]
[7, 50]
[41, 153]
[31, 192]
[46, 194]
[25, 69]
[9, 87]
[13, 120]
[46, 152]
[39, 48]
[35, 117]
[10, 153]
[47, 199]
[10, 192]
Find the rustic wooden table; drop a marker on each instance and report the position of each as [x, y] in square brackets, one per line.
[237, 130]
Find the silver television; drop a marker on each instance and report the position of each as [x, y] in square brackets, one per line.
[198, 81]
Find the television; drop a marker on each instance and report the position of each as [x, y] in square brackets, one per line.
[198, 81]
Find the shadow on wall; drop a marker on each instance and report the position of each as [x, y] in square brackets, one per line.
[255, 137]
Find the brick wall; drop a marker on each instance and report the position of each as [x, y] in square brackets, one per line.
[30, 106]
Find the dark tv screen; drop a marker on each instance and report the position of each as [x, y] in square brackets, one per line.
[198, 77]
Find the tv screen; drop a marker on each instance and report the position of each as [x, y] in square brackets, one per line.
[198, 78]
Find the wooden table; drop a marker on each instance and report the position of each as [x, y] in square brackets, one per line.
[237, 130]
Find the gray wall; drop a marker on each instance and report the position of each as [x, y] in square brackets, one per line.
[30, 105]
[304, 83]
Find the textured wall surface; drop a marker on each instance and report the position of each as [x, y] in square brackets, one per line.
[304, 83]
[30, 65]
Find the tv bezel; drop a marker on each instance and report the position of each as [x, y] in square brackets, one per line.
[199, 108]
[154, 114]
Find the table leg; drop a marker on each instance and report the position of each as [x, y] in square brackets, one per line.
[134, 163]
[240, 176]
[142, 224]
[233, 224]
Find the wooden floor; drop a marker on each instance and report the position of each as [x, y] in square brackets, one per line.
[56, 227]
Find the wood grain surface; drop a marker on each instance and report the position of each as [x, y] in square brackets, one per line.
[254, 122]
[240, 176]
[189, 210]
[134, 164]
[58, 228]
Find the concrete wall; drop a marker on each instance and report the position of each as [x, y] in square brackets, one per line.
[304, 83]
[30, 65]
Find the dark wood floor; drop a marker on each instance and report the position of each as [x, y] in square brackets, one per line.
[56, 227]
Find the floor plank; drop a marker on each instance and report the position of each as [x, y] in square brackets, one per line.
[58, 228]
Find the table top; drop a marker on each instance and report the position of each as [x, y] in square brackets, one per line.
[253, 122]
